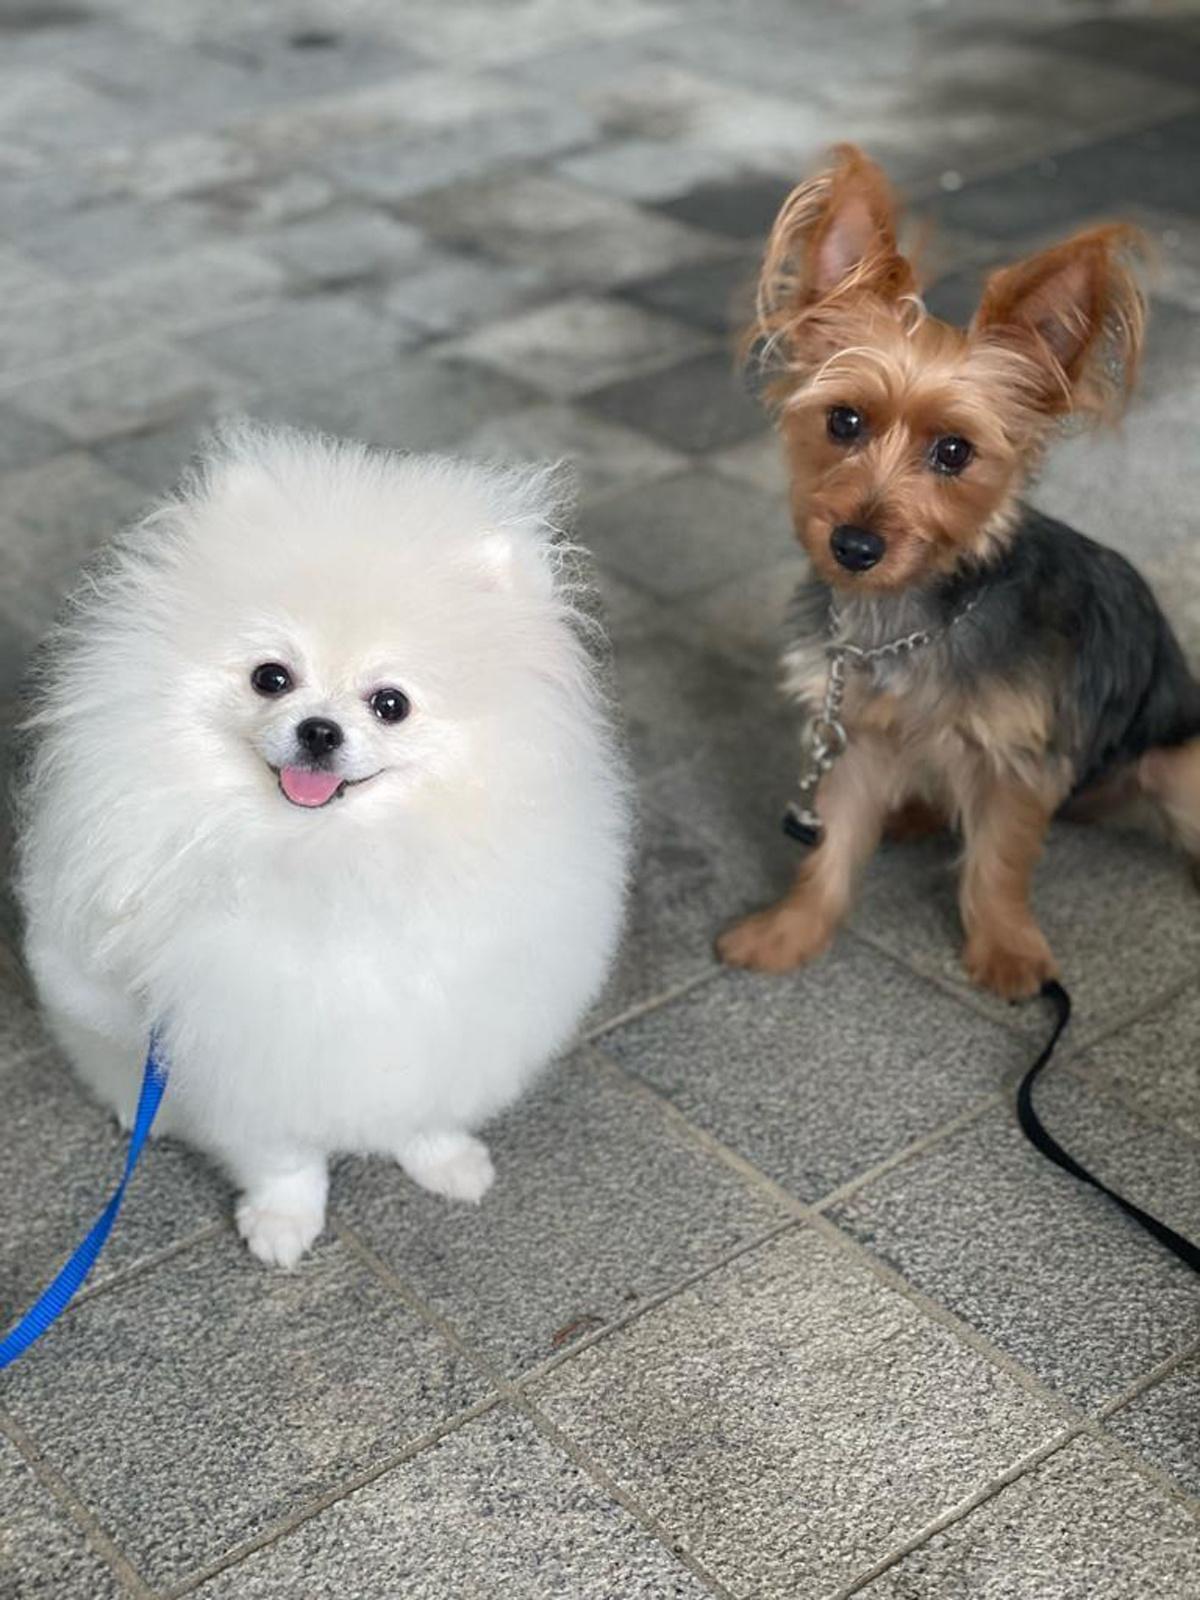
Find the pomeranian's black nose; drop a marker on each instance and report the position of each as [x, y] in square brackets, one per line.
[856, 549]
[318, 736]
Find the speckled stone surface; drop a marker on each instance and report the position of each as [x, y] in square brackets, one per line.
[816, 1077]
[1079, 1525]
[1163, 1425]
[42, 1556]
[598, 1204]
[206, 1401]
[62, 1147]
[492, 1510]
[790, 1420]
[1047, 1269]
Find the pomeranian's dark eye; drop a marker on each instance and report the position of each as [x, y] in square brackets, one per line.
[843, 423]
[271, 678]
[950, 454]
[390, 705]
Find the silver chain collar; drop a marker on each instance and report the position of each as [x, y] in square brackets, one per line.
[827, 736]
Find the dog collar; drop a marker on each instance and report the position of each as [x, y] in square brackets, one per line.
[827, 737]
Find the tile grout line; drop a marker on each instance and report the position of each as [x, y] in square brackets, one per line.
[1023, 1465]
[67, 1500]
[645, 1007]
[341, 1491]
[551, 1364]
[515, 1395]
[1148, 1380]
[1066, 1410]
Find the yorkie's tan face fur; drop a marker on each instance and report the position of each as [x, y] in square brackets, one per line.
[908, 440]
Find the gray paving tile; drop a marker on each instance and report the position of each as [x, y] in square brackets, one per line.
[321, 338]
[58, 513]
[682, 892]
[42, 1555]
[758, 461]
[983, 104]
[1081, 1526]
[744, 207]
[391, 170]
[300, 61]
[587, 239]
[492, 1509]
[606, 458]
[749, 613]
[697, 405]
[597, 1205]
[1092, 881]
[416, 403]
[60, 1162]
[687, 533]
[578, 344]
[1150, 167]
[755, 131]
[816, 1077]
[716, 295]
[986, 1225]
[142, 384]
[1125, 491]
[790, 1421]
[26, 441]
[1176, 242]
[1161, 1425]
[62, 327]
[675, 694]
[96, 239]
[649, 169]
[347, 244]
[24, 282]
[466, 33]
[301, 1379]
[1168, 47]
[456, 292]
[208, 284]
[1152, 1064]
[155, 459]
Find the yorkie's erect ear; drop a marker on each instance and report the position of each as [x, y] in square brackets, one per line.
[834, 240]
[1077, 315]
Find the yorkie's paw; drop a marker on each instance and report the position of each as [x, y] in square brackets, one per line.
[776, 940]
[1013, 971]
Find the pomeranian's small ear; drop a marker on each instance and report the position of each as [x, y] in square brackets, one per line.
[1078, 316]
[834, 237]
[514, 562]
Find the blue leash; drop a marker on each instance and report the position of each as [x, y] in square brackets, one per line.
[54, 1300]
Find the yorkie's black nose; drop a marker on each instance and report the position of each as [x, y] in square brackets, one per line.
[856, 549]
[318, 736]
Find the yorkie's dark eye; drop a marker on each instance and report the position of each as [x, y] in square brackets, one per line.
[271, 678]
[390, 705]
[843, 423]
[950, 454]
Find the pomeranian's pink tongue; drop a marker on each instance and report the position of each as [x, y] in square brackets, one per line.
[308, 788]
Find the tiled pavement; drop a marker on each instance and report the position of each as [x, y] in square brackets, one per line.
[771, 1299]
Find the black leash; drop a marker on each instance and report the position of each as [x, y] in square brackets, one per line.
[1031, 1126]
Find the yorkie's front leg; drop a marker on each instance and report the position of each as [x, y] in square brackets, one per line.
[853, 800]
[1004, 826]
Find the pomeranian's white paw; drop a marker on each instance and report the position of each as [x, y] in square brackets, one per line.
[452, 1164]
[282, 1217]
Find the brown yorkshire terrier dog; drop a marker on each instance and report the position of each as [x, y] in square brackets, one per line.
[998, 665]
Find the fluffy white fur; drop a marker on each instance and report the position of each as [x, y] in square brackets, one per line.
[386, 972]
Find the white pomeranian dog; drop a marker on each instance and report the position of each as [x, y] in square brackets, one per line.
[324, 790]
